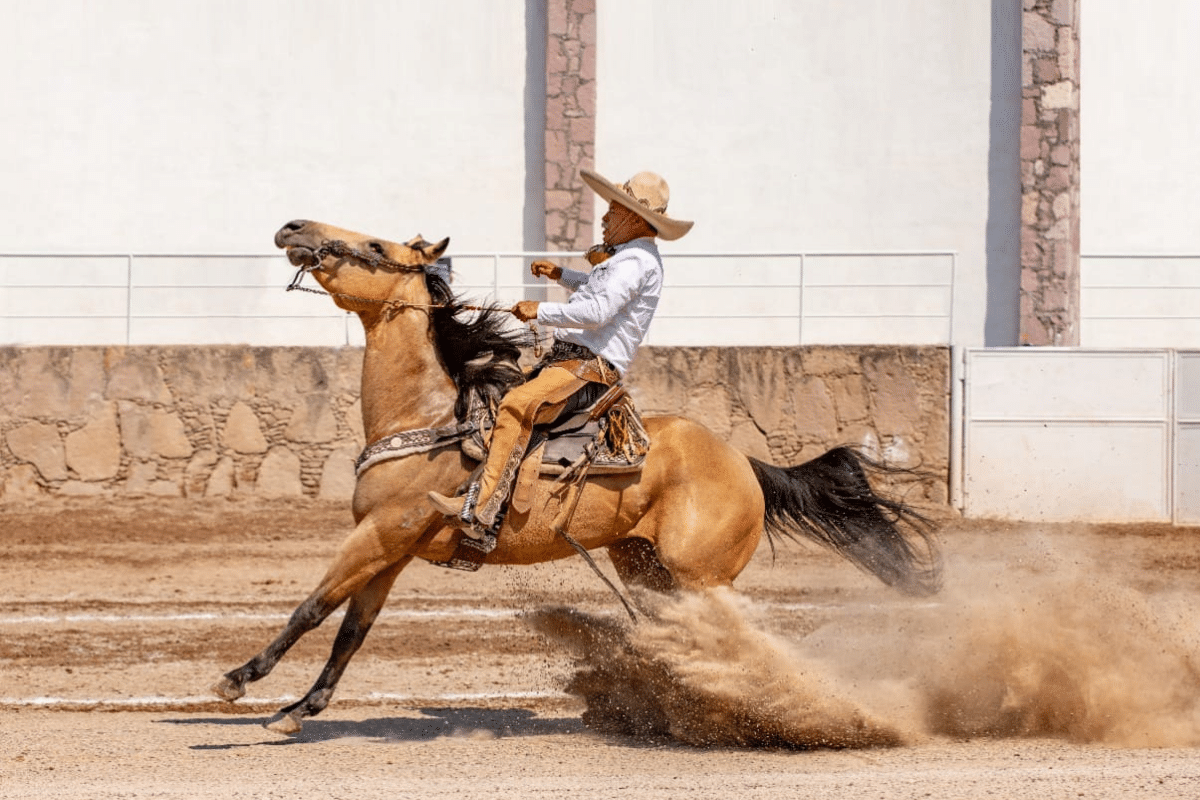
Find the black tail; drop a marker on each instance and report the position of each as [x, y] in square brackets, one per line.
[830, 501]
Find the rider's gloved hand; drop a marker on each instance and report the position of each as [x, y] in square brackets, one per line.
[544, 269]
[525, 310]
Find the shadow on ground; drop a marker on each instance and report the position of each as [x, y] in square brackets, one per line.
[436, 723]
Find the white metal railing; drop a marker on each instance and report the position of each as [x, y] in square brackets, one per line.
[1140, 300]
[747, 298]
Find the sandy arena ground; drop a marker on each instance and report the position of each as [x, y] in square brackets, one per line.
[1058, 662]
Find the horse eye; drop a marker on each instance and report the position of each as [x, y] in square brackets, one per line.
[376, 247]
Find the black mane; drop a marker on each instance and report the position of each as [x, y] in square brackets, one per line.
[478, 349]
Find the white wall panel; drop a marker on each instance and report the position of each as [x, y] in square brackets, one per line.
[1067, 471]
[1187, 452]
[1076, 434]
[1187, 475]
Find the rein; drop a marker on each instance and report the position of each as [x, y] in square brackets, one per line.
[376, 261]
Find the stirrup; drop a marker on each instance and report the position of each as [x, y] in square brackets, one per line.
[470, 552]
[483, 539]
[467, 515]
[464, 514]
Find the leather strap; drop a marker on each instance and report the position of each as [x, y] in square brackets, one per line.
[615, 394]
[592, 370]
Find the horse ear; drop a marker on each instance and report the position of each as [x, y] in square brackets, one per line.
[417, 242]
[437, 250]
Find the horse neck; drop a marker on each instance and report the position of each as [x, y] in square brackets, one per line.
[404, 385]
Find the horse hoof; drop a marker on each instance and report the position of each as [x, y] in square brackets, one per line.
[286, 724]
[227, 690]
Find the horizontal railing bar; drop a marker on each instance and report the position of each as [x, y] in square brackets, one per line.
[527, 254]
[177, 316]
[662, 315]
[668, 284]
[1146, 256]
[143, 255]
[839, 285]
[666, 316]
[1135, 420]
[814, 254]
[147, 286]
[1145, 316]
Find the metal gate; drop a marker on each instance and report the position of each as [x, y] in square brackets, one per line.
[1080, 434]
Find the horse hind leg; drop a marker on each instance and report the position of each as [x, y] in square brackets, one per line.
[688, 554]
[638, 566]
[360, 616]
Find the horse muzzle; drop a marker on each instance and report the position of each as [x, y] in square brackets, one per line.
[289, 231]
[303, 257]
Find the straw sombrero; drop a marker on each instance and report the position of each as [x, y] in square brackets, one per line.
[645, 194]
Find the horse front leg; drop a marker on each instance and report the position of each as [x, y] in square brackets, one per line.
[359, 560]
[360, 616]
[308, 615]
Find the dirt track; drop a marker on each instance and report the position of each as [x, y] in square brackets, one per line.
[115, 618]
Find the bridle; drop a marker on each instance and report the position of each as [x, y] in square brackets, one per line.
[340, 249]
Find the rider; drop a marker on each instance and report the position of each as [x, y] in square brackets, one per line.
[600, 328]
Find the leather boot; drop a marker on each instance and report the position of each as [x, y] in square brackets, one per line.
[450, 506]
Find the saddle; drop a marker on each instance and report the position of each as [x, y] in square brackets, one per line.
[599, 432]
[600, 428]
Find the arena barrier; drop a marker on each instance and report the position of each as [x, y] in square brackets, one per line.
[221, 421]
[1072, 434]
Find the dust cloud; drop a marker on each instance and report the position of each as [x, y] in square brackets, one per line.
[701, 672]
[1038, 641]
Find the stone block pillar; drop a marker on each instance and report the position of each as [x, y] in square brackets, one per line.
[570, 122]
[1050, 173]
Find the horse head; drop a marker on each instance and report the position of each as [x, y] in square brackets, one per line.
[361, 273]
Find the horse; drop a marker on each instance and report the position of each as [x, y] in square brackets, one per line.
[690, 519]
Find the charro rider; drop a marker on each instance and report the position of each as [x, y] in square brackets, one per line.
[599, 330]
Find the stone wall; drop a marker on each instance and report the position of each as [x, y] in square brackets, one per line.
[786, 405]
[570, 135]
[228, 421]
[1050, 173]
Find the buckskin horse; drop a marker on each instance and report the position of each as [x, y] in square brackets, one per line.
[689, 520]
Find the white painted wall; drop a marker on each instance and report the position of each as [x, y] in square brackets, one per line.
[203, 125]
[795, 125]
[1140, 110]
[1140, 183]
[817, 125]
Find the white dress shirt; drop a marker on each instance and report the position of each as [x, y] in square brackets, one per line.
[611, 307]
